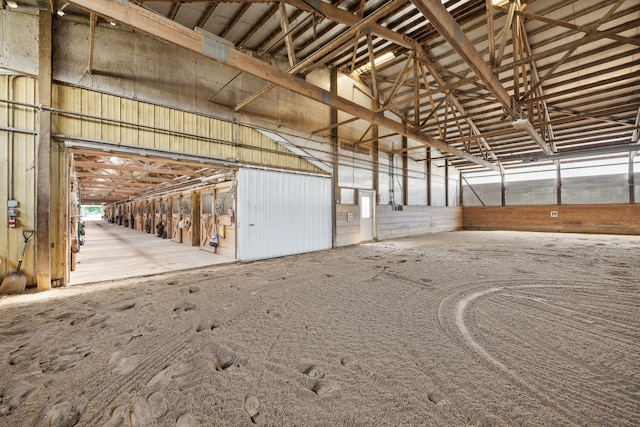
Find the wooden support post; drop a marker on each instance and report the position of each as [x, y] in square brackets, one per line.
[503, 190]
[446, 182]
[43, 156]
[405, 172]
[461, 203]
[376, 164]
[558, 184]
[333, 119]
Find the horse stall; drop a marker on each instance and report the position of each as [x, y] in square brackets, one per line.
[148, 215]
[137, 222]
[125, 212]
[176, 217]
[190, 218]
[208, 241]
[120, 213]
[217, 233]
[224, 208]
[162, 219]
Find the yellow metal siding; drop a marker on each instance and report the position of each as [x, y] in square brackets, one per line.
[112, 119]
[24, 154]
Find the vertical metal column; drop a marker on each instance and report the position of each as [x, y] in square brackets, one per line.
[632, 192]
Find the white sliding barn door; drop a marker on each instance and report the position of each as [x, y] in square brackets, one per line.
[282, 214]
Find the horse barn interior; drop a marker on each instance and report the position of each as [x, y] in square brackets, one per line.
[264, 140]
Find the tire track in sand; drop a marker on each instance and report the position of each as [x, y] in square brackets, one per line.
[453, 317]
[459, 306]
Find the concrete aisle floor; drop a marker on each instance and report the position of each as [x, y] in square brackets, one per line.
[115, 252]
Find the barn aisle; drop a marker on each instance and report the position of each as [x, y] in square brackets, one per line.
[115, 252]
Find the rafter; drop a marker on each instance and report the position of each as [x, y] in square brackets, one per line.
[173, 12]
[202, 21]
[284, 23]
[235, 19]
[566, 56]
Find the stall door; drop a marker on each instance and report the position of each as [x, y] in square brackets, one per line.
[176, 224]
[158, 223]
[186, 226]
[207, 220]
[165, 217]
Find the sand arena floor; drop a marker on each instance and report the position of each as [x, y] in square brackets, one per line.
[463, 328]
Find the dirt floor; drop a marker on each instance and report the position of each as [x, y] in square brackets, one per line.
[462, 328]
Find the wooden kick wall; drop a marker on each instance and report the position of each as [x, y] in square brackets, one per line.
[605, 219]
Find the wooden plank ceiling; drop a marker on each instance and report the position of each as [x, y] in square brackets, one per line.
[106, 178]
[490, 85]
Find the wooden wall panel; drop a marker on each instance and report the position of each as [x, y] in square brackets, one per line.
[608, 219]
[91, 105]
[227, 244]
[146, 118]
[110, 110]
[128, 114]
[162, 120]
[190, 126]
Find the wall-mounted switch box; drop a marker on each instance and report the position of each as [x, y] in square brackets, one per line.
[554, 214]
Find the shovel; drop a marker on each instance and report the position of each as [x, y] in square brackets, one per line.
[17, 282]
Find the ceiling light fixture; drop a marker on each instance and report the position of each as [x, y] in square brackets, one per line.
[525, 124]
[60, 12]
[376, 62]
[12, 4]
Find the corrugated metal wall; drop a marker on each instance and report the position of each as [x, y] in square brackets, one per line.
[282, 214]
[18, 144]
[85, 114]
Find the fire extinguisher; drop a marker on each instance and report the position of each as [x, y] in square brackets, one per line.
[230, 215]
